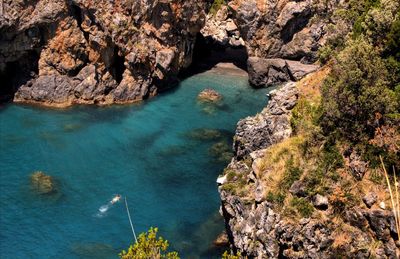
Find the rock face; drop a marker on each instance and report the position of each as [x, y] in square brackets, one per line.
[274, 71]
[258, 230]
[283, 29]
[282, 36]
[221, 30]
[97, 52]
[270, 126]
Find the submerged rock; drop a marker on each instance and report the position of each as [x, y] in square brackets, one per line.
[209, 95]
[94, 250]
[204, 134]
[42, 183]
[221, 240]
[221, 151]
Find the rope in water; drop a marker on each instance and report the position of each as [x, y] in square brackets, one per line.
[130, 221]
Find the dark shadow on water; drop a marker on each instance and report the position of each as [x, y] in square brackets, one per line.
[198, 234]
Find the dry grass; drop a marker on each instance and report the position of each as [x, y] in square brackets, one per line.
[394, 197]
[341, 239]
[309, 87]
[273, 165]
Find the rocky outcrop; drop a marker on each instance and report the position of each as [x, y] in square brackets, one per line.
[270, 126]
[283, 29]
[95, 52]
[209, 95]
[43, 183]
[221, 30]
[270, 72]
[259, 228]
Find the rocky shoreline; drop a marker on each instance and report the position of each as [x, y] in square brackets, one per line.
[258, 230]
[60, 53]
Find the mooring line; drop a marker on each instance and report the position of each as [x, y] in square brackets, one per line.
[130, 221]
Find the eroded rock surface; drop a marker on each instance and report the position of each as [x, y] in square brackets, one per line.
[258, 229]
[270, 126]
[95, 52]
[209, 95]
[283, 29]
[221, 30]
[43, 183]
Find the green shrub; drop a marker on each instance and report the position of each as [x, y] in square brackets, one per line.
[325, 54]
[331, 157]
[230, 255]
[303, 207]
[149, 246]
[393, 39]
[292, 174]
[276, 198]
[216, 6]
[356, 90]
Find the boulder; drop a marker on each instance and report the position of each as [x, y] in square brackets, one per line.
[267, 72]
[320, 202]
[298, 188]
[42, 183]
[222, 240]
[357, 166]
[369, 199]
[298, 70]
[209, 95]
[270, 72]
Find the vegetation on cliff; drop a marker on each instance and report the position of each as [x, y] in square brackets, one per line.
[328, 172]
[149, 245]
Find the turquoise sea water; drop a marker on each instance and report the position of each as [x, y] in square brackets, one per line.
[154, 153]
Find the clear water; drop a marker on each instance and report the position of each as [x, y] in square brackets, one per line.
[147, 152]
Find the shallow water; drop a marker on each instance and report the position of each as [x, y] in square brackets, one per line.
[150, 152]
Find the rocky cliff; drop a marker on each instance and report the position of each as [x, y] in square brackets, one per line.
[274, 209]
[67, 52]
[283, 29]
[282, 37]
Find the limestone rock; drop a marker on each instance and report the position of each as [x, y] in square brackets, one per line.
[284, 29]
[298, 188]
[60, 53]
[370, 199]
[42, 183]
[271, 126]
[269, 72]
[357, 165]
[222, 240]
[221, 30]
[320, 202]
[209, 95]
